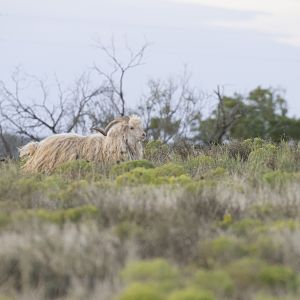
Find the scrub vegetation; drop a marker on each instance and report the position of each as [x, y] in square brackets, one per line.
[186, 223]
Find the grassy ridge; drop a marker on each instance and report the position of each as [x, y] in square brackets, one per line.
[185, 224]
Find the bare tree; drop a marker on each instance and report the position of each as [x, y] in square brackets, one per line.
[170, 108]
[115, 79]
[228, 110]
[33, 117]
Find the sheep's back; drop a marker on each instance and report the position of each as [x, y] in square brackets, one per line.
[56, 150]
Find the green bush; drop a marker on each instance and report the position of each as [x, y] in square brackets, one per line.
[283, 225]
[166, 174]
[28, 185]
[191, 294]
[141, 291]
[140, 176]
[73, 190]
[5, 219]
[216, 281]
[157, 151]
[125, 167]
[254, 143]
[265, 296]
[246, 226]
[2, 297]
[263, 211]
[278, 178]
[227, 221]
[156, 270]
[215, 173]
[168, 170]
[76, 169]
[225, 249]
[263, 158]
[199, 165]
[279, 277]
[66, 215]
[245, 272]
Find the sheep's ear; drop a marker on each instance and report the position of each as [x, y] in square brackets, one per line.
[101, 130]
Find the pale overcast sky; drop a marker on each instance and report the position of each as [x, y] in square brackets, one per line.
[239, 44]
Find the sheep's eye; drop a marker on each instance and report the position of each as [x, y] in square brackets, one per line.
[131, 128]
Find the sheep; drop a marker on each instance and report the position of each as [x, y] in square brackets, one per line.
[121, 140]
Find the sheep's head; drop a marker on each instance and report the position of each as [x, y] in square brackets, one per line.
[134, 130]
[128, 127]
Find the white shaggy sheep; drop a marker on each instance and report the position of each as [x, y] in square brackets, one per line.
[119, 141]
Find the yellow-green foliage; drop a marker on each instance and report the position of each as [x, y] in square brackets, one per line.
[170, 169]
[125, 167]
[246, 226]
[4, 219]
[287, 224]
[156, 151]
[197, 187]
[225, 249]
[28, 184]
[265, 296]
[61, 216]
[200, 164]
[10, 181]
[245, 272]
[166, 174]
[216, 280]
[262, 158]
[76, 168]
[278, 177]
[227, 221]
[157, 271]
[2, 297]
[27, 187]
[70, 191]
[191, 294]
[140, 176]
[271, 210]
[141, 291]
[126, 229]
[254, 143]
[279, 277]
[215, 173]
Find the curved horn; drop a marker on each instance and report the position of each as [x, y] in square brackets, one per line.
[101, 130]
[114, 122]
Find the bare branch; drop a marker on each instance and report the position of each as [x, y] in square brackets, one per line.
[116, 78]
[225, 118]
[170, 108]
[34, 117]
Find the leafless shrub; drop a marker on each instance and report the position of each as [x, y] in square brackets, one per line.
[30, 117]
[115, 79]
[170, 108]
